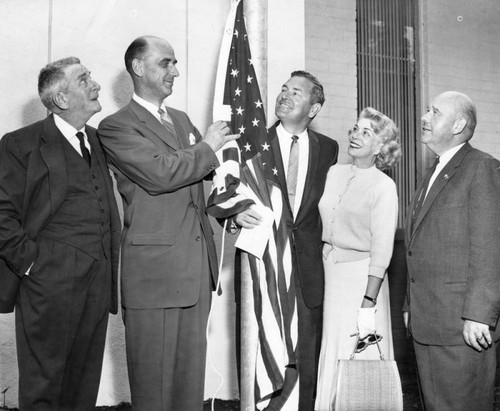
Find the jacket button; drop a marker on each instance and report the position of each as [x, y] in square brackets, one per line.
[410, 253]
[198, 238]
[412, 279]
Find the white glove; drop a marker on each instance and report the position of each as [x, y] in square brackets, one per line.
[366, 322]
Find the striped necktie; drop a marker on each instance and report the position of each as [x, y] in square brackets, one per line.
[166, 120]
[293, 170]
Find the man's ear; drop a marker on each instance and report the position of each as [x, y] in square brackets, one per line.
[60, 100]
[315, 109]
[138, 67]
[459, 125]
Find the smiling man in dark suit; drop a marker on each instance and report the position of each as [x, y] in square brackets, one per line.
[59, 243]
[453, 255]
[299, 101]
[169, 262]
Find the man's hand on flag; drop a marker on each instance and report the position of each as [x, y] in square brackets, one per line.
[249, 218]
[217, 135]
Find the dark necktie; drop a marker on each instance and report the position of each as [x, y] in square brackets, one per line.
[422, 193]
[293, 170]
[83, 147]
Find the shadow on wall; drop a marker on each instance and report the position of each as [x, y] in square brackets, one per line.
[33, 111]
[122, 88]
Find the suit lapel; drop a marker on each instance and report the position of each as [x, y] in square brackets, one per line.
[182, 138]
[311, 173]
[155, 126]
[278, 162]
[96, 148]
[52, 153]
[443, 178]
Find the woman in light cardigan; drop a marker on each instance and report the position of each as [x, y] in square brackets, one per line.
[359, 211]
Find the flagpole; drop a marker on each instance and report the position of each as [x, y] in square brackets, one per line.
[249, 115]
[249, 339]
[256, 19]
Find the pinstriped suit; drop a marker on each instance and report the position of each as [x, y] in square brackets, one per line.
[169, 262]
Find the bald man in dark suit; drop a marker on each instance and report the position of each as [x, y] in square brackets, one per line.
[453, 255]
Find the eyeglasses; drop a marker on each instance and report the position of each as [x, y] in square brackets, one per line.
[368, 340]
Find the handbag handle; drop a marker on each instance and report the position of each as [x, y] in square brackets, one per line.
[351, 357]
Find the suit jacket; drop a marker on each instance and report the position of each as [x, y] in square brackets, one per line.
[33, 186]
[306, 230]
[167, 235]
[453, 251]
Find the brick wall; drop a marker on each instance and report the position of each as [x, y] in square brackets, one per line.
[330, 50]
[461, 51]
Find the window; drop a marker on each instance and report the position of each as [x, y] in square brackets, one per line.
[387, 81]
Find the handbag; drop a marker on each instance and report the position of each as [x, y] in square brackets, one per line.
[368, 385]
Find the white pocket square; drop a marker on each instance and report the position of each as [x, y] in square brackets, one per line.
[192, 139]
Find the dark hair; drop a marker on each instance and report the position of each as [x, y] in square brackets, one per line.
[317, 90]
[386, 130]
[52, 79]
[136, 50]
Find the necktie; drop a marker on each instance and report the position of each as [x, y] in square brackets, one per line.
[293, 170]
[167, 121]
[83, 147]
[423, 192]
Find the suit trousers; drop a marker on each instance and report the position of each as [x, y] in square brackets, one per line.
[61, 321]
[166, 354]
[456, 378]
[307, 353]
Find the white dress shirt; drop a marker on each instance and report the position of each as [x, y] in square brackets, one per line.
[152, 108]
[69, 132]
[443, 160]
[285, 141]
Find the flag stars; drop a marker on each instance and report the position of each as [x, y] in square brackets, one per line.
[242, 130]
[255, 122]
[234, 72]
[265, 147]
[236, 33]
[258, 104]
[248, 147]
[249, 79]
[250, 62]
[237, 92]
[240, 111]
[275, 171]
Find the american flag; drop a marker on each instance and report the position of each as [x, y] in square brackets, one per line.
[250, 164]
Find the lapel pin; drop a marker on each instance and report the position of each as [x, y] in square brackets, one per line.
[446, 176]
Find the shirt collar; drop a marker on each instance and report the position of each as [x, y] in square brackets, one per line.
[65, 128]
[448, 155]
[285, 135]
[152, 108]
